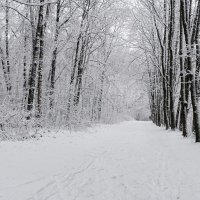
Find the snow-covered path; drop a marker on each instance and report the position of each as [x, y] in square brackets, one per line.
[127, 161]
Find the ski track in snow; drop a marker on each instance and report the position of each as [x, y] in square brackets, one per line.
[126, 161]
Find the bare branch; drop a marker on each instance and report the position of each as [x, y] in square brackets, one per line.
[16, 11]
[35, 4]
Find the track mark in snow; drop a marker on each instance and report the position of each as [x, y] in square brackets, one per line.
[55, 189]
[129, 161]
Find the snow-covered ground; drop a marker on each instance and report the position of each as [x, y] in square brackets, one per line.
[127, 161]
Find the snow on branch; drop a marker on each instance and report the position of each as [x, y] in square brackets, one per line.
[35, 4]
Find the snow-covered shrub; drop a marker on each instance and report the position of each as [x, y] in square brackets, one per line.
[14, 123]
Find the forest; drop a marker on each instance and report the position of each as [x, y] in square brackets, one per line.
[67, 64]
[73, 63]
[99, 99]
[173, 51]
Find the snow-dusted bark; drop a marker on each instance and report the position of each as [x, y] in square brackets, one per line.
[36, 52]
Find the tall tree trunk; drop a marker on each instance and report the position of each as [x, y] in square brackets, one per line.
[101, 95]
[183, 114]
[40, 69]
[72, 77]
[9, 87]
[171, 65]
[54, 56]
[5, 73]
[191, 72]
[36, 51]
[80, 70]
[79, 59]
[25, 63]
[83, 52]
[163, 75]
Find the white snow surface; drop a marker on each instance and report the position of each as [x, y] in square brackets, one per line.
[127, 161]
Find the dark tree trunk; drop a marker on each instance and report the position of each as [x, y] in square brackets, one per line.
[183, 115]
[36, 52]
[54, 56]
[79, 61]
[100, 96]
[171, 65]
[5, 72]
[190, 71]
[40, 69]
[25, 67]
[9, 87]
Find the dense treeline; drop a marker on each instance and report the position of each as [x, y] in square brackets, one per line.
[70, 62]
[64, 63]
[171, 45]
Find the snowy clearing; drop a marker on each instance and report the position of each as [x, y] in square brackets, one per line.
[128, 161]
